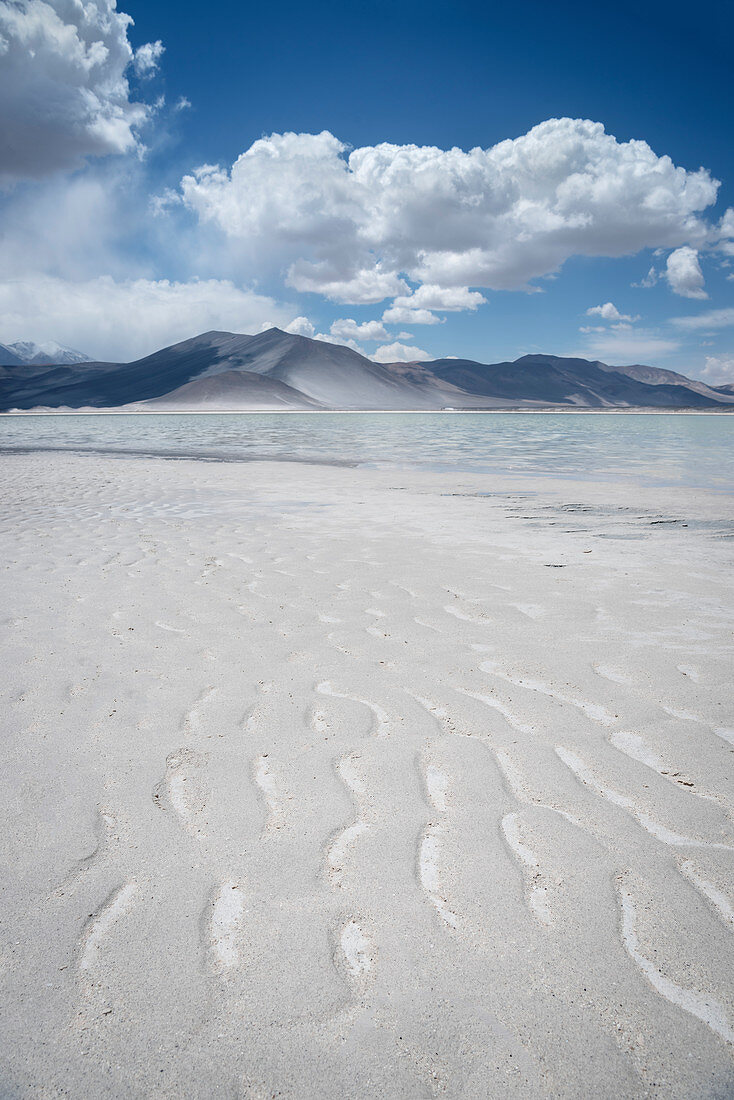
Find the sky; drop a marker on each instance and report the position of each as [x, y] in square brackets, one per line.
[416, 180]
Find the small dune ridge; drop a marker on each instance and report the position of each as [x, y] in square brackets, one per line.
[716, 897]
[437, 785]
[459, 614]
[726, 733]
[427, 626]
[530, 610]
[429, 854]
[593, 710]
[507, 714]
[117, 904]
[690, 671]
[429, 859]
[403, 588]
[632, 745]
[701, 1005]
[271, 791]
[105, 827]
[319, 721]
[228, 910]
[520, 791]
[614, 675]
[435, 709]
[180, 789]
[337, 645]
[382, 721]
[585, 775]
[538, 891]
[192, 720]
[358, 949]
[337, 852]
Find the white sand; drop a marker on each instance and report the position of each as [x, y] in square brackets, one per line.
[342, 783]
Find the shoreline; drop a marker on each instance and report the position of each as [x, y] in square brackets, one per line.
[508, 473]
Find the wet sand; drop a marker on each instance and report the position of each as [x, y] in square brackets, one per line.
[329, 782]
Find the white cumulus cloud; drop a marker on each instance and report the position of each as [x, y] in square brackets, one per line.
[609, 312]
[299, 326]
[63, 88]
[340, 285]
[726, 225]
[353, 225]
[724, 233]
[346, 328]
[718, 371]
[399, 315]
[448, 298]
[146, 58]
[417, 308]
[400, 353]
[124, 320]
[684, 274]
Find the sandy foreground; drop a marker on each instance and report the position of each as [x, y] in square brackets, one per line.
[328, 782]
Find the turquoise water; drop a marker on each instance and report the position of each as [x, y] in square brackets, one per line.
[680, 449]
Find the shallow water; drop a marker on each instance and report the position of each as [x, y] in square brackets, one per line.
[659, 449]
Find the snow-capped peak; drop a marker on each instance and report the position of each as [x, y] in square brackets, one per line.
[47, 352]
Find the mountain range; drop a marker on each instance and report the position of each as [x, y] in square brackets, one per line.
[279, 370]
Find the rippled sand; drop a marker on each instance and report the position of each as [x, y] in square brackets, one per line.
[328, 782]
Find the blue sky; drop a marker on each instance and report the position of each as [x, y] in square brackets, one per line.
[312, 166]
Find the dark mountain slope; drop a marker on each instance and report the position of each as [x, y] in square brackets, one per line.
[105, 385]
[552, 380]
[9, 358]
[28, 385]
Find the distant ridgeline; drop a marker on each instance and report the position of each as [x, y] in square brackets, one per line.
[277, 370]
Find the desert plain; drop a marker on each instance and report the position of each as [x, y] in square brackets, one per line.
[324, 781]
